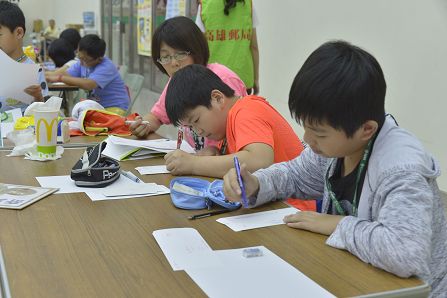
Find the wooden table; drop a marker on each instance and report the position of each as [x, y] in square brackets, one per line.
[65, 245]
[61, 87]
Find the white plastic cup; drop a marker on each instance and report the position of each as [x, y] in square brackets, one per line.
[46, 132]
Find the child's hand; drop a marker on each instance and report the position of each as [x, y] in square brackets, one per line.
[51, 78]
[208, 151]
[179, 162]
[140, 129]
[312, 221]
[232, 189]
[35, 91]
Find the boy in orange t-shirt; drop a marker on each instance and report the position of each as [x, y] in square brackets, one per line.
[248, 127]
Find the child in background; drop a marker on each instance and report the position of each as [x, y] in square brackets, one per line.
[176, 43]
[62, 54]
[247, 127]
[380, 197]
[73, 37]
[12, 31]
[97, 74]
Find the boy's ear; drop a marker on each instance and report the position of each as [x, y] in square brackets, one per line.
[19, 32]
[369, 128]
[217, 98]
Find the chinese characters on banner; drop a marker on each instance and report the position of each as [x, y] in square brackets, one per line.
[233, 34]
[144, 27]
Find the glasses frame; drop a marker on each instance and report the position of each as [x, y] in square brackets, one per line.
[179, 56]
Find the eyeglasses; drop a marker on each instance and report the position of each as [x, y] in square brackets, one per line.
[179, 56]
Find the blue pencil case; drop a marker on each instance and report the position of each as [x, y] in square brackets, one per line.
[195, 193]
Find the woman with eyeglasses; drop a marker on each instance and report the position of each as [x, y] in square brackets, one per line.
[176, 43]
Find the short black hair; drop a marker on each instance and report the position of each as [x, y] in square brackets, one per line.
[72, 36]
[94, 46]
[340, 84]
[60, 52]
[191, 87]
[182, 34]
[11, 16]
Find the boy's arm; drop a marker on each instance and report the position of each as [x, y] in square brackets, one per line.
[82, 83]
[302, 177]
[255, 156]
[398, 239]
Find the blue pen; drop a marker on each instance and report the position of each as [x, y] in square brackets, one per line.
[241, 184]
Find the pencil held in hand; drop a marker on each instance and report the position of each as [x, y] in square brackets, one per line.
[130, 122]
[179, 138]
[241, 183]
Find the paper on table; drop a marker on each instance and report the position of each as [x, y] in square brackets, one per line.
[123, 152]
[264, 276]
[66, 185]
[96, 196]
[149, 170]
[185, 248]
[257, 220]
[137, 189]
[15, 77]
[7, 125]
[162, 145]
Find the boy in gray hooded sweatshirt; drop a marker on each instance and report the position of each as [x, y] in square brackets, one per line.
[378, 184]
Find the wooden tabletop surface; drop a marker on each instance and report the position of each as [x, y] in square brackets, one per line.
[65, 245]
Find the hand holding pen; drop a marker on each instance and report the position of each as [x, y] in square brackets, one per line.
[139, 127]
[179, 137]
[239, 182]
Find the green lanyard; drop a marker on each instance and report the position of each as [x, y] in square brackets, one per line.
[362, 165]
[21, 58]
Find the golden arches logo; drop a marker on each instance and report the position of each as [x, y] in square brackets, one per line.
[49, 128]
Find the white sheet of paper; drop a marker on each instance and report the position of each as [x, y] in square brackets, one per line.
[149, 170]
[137, 189]
[161, 145]
[66, 185]
[257, 220]
[15, 77]
[185, 248]
[264, 276]
[7, 125]
[97, 196]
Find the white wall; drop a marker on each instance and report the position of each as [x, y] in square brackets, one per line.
[407, 37]
[62, 11]
[70, 11]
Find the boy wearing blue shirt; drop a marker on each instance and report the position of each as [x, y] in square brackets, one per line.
[97, 74]
[12, 31]
[378, 184]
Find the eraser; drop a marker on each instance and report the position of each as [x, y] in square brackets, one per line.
[252, 252]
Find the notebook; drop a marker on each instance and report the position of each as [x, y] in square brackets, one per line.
[14, 196]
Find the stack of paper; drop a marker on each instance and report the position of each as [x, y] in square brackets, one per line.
[266, 275]
[122, 149]
[123, 188]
